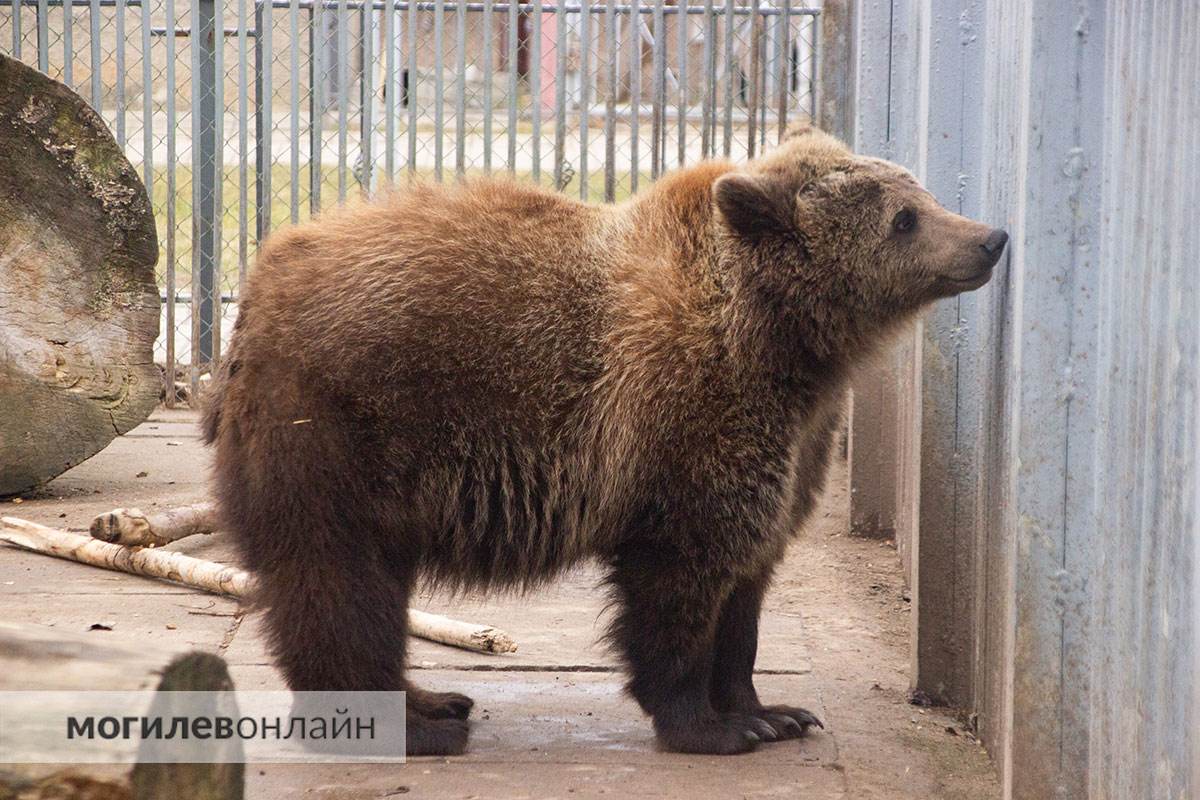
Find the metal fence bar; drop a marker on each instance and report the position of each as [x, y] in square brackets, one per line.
[293, 16]
[317, 73]
[169, 372]
[514, 39]
[196, 32]
[584, 100]
[439, 21]
[752, 99]
[659, 90]
[560, 97]
[204, 42]
[68, 44]
[43, 36]
[635, 93]
[535, 93]
[119, 89]
[814, 87]
[263, 127]
[390, 43]
[366, 110]
[783, 71]
[342, 37]
[94, 51]
[682, 58]
[727, 147]
[147, 104]
[217, 43]
[760, 78]
[489, 33]
[460, 91]
[243, 248]
[682, 22]
[410, 94]
[710, 88]
[16, 29]
[610, 108]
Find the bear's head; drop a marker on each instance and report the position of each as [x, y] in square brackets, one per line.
[815, 226]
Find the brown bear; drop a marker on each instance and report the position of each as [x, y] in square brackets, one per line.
[479, 386]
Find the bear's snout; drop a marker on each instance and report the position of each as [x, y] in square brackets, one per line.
[993, 246]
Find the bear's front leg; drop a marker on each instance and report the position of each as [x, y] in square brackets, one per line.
[732, 689]
[665, 626]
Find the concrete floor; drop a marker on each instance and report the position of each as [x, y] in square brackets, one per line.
[550, 721]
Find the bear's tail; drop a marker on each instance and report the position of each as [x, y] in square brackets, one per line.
[210, 420]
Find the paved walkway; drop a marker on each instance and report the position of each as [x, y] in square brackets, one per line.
[550, 721]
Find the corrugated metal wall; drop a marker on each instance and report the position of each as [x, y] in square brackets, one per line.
[1046, 440]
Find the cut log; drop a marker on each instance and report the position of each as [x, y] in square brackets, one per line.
[220, 579]
[132, 527]
[194, 672]
[34, 657]
[79, 306]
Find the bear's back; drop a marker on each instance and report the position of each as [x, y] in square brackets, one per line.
[475, 307]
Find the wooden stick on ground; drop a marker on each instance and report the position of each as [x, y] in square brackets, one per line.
[133, 527]
[219, 579]
[165, 564]
[456, 633]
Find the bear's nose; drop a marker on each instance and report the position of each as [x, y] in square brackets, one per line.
[994, 244]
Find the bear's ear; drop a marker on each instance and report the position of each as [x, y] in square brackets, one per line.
[752, 205]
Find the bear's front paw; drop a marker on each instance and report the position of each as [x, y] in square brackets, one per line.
[789, 721]
[719, 734]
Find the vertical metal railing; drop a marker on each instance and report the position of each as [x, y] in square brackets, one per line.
[241, 115]
[205, 186]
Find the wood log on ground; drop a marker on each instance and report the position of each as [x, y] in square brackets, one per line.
[35, 657]
[220, 579]
[194, 672]
[164, 564]
[469, 635]
[132, 527]
[79, 307]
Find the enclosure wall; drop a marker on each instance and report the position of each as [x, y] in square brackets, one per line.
[1043, 430]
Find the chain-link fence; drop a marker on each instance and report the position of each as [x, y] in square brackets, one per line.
[244, 115]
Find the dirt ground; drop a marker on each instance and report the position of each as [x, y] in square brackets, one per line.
[550, 721]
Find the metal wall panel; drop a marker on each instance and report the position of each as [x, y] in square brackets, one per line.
[1057, 410]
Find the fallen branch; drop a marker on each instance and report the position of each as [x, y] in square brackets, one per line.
[219, 579]
[133, 527]
[437, 628]
[165, 564]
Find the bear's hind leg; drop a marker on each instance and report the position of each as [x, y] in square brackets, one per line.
[733, 667]
[343, 627]
[665, 627]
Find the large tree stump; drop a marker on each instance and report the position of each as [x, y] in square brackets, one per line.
[35, 657]
[79, 307]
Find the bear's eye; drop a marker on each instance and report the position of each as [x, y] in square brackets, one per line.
[904, 221]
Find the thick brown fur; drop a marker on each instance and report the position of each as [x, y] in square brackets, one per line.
[480, 386]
